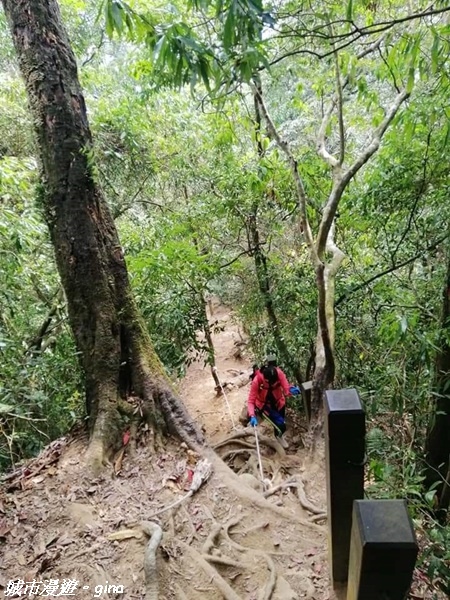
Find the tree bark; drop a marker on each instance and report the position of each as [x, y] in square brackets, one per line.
[437, 445]
[324, 371]
[114, 346]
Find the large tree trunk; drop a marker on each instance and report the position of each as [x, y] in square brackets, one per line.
[115, 350]
[438, 440]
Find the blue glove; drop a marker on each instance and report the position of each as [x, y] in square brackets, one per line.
[253, 421]
[294, 390]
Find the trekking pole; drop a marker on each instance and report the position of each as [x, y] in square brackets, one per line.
[225, 396]
[259, 456]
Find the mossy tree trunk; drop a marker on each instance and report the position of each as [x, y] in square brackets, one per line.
[115, 350]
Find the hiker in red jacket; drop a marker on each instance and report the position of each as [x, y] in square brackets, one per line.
[267, 397]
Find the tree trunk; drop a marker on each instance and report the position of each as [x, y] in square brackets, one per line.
[324, 371]
[262, 275]
[210, 344]
[437, 445]
[115, 350]
[324, 363]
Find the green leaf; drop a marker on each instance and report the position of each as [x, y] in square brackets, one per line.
[435, 53]
[410, 82]
[228, 30]
[350, 10]
[117, 16]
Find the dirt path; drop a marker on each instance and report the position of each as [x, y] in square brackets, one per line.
[225, 542]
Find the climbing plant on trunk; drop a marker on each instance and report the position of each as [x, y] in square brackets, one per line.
[116, 353]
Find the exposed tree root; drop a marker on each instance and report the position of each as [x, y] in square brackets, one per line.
[181, 595]
[298, 484]
[208, 547]
[234, 483]
[233, 453]
[225, 589]
[321, 517]
[307, 505]
[282, 486]
[191, 525]
[222, 560]
[238, 442]
[272, 582]
[210, 540]
[154, 531]
[245, 532]
[263, 439]
[270, 586]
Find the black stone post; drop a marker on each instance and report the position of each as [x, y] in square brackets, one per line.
[345, 451]
[383, 551]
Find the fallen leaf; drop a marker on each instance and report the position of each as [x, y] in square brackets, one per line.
[51, 539]
[21, 560]
[4, 528]
[65, 540]
[48, 562]
[38, 479]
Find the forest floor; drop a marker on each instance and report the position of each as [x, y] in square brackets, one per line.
[224, 542]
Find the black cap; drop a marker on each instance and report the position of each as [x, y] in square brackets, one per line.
[271, 359]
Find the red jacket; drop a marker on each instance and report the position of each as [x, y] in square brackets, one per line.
[260, 387]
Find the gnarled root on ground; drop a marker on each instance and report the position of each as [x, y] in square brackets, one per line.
[154, 531]
[181, 595]
[263, 439]
[234, 483]
[297, 483]
[272, 581]
[225, 589]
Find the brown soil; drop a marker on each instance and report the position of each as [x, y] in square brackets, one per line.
[56, 523]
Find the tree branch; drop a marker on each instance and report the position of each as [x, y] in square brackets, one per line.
[320, 146]
[420, 191]
[340, 111]
[340, 185]
[300, 189]
[337, 100]
[367, 282]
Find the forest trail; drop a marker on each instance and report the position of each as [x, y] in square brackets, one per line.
[57, 524]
